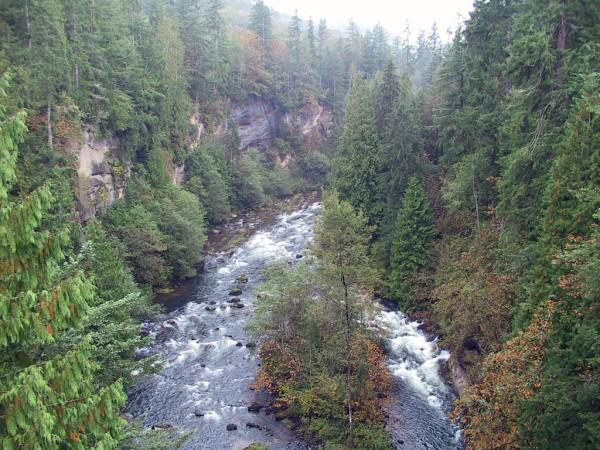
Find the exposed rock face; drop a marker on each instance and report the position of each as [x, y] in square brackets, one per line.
[100, 183]
[260, 121]
[313, 123]
[197, 130]
[178, 176]
[460, 379]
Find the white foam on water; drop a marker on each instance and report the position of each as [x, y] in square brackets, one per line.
[414, 358]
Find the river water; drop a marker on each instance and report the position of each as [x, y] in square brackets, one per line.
[204, 385]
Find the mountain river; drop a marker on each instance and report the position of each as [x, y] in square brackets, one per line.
[210, 362]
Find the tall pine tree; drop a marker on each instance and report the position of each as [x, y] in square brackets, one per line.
[411, 244]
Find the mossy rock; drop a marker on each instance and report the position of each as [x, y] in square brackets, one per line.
[242, 279]
[236, 292]
[256, 446]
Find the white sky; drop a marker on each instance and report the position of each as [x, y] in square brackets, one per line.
[392, 14]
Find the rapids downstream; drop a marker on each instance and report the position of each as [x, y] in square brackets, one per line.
[210, 363]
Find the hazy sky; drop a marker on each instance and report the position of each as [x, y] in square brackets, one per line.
[391, 13]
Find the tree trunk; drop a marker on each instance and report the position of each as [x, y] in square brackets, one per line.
[49, 125]
[350, 443]
[27, 24]
[561, 45]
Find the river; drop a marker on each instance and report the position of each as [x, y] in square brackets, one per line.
[210, 363]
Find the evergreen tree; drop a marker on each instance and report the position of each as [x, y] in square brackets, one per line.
[261, 25]
[48, 397]
[357, 160]
[411, 244]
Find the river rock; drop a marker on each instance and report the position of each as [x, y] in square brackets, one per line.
[255, 407]
[231, 427]
[234, 300]
[210, 308]
[239, 344]
[162, 426]
[253, 425]
[237, 305]
[235, 292]
[242, 279]
[298, 256]
[198, 412]
[251, 345]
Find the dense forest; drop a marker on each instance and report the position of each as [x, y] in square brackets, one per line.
[460, 180]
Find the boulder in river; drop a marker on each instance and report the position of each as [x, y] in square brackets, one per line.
[210, 308]
[198, 412]
[234, 300]
[235, 292]
[253, 425]
[237, 305]
[298, 256]
[251, 345]
[242, 278]
[231, 427]
[255, 407]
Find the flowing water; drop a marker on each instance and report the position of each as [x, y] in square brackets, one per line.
[210, 363]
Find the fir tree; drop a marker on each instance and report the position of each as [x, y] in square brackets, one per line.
[357, 161]
[48, 397]
[411, 244]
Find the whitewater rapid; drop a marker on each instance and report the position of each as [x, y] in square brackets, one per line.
[210, 361]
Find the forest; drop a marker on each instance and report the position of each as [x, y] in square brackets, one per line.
[460, 182]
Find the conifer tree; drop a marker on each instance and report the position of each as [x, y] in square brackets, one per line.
[48, 398]
[357, 161]
[411, 245]
[261, 25]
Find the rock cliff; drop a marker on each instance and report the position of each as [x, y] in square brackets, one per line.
[259, 122]
[101, 181]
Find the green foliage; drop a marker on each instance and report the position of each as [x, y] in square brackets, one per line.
[357, 161]
[135, 226]
[180, 218]
[208, 180]
[248, 180]
[40, 300]
[411, 245]
[119, 307]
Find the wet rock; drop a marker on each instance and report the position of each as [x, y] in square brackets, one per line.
[239, 344]
[210, 308]
[172, 322]
[231, 427]
[268, 410]
[242, 279]
[253, 425]
[255, 407]
[212, 302]
[237, 305]
[251, 345]
[234, 300]
[236, 292]
[298, 256]
[400, 441]
[162, 426]
[198, 412]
